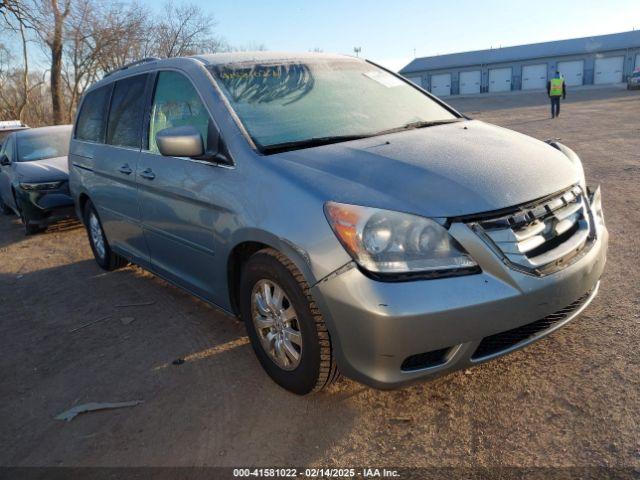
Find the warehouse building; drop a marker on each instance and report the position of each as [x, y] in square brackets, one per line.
[582, 61]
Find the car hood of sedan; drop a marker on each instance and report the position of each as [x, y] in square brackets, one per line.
[449, 170]
[45, 170]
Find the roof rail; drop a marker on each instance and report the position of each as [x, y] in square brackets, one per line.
[132, 64]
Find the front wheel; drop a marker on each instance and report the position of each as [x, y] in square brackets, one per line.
[287, 331]
[105, 257]
[31, 228]
[4, 208]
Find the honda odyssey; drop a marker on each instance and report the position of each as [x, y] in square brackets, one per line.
[356, 223]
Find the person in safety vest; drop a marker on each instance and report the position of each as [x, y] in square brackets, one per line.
[556, 88]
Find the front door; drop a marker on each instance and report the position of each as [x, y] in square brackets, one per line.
[177, 195]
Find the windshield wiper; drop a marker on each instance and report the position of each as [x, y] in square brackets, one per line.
[420, 124]
[319, 141]
[309, 143]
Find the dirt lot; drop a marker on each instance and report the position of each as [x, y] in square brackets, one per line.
[571, 399]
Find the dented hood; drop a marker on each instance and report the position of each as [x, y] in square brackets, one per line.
[442, 171]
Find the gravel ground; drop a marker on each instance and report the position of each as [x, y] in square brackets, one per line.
[572, 399]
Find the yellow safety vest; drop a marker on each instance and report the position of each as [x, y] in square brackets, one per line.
[556, 87]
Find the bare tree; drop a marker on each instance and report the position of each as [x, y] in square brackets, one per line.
[184, 30]
[84, 39]
[48, 19]
[248, 47]
[100, 37]
[36, 109]
[15, 20]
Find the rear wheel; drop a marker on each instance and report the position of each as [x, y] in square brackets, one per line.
[105, 257]
[287, 331]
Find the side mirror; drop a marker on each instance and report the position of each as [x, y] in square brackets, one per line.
[180, 142]
[4, 160]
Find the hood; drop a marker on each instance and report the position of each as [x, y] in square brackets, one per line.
[442, 171]
[45, 170]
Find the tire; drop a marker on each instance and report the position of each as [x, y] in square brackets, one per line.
[31, 228]
[104, 256]
[316, 367]
[4, 208]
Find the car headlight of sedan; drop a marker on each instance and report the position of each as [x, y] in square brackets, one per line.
[575, 159]
[384, 242]
[41, 186]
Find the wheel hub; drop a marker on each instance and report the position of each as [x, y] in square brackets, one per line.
[276, 324]
[96, 235]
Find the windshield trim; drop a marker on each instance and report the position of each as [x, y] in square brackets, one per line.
[260, 149]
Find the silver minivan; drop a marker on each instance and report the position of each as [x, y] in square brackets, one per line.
[355, 223]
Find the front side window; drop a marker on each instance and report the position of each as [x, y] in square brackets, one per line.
[92, 119]
[125, 114]
[175, 104]
[295, 101]
[38, 146]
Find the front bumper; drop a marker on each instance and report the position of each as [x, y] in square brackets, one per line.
[46, 207]
[382, 331]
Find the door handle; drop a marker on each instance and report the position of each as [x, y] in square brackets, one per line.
[148, 174]
[126, 169]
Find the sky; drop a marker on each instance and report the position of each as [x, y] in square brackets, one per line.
[389, 32]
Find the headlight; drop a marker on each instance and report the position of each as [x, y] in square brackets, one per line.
[575, 159]
[386, 242]
[41, 186]
[596, 207]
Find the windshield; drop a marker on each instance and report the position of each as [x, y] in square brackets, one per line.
[287, 102]
[635, 74]
[38, 146]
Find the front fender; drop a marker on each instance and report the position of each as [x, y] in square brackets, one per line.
[298, 255]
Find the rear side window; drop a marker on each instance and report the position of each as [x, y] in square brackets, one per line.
[125, 114]
[92, 119]
[176, 103]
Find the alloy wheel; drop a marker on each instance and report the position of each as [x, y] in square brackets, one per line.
[276, 323]
[97, 236]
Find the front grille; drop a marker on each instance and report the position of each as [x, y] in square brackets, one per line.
[542, 235]
[505, 340]
[425, 360]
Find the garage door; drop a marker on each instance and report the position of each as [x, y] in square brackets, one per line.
[608, 70]
[441, 84]
[571, 72]
[500, 80]
[469, 82]
[416, 80]
[534, 76]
